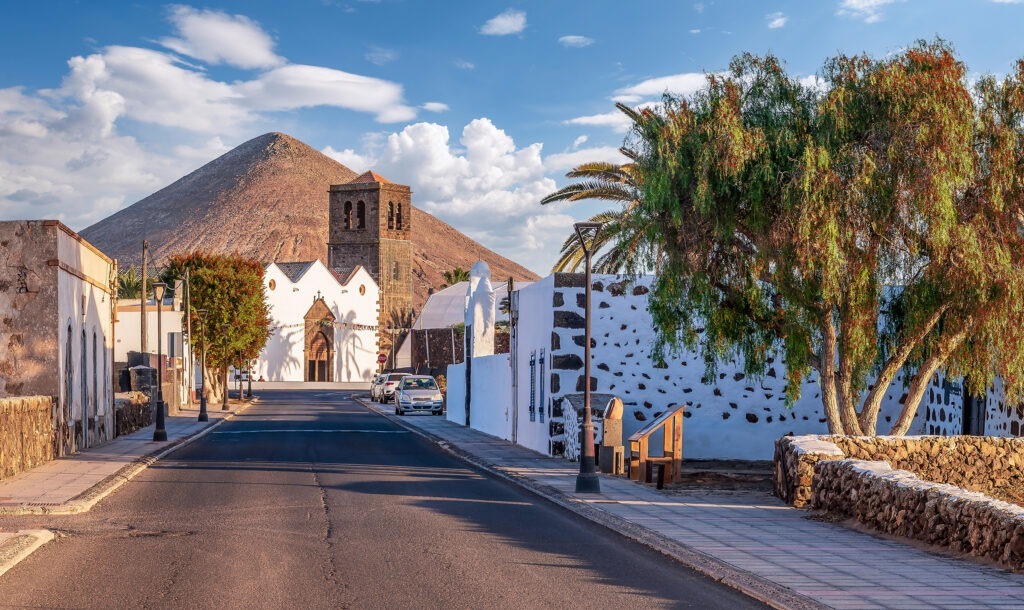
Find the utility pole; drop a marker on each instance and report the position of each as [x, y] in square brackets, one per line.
[145, 248]
[187, 366]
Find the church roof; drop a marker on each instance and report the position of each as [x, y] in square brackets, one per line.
[369, 177]
[294, 270]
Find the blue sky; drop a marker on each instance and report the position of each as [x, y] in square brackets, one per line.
[480, 106]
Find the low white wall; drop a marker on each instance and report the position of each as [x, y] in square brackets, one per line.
[455, 398]
[491, 411]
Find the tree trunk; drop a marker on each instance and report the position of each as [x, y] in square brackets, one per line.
[844, 380]
[873, 402]
[923, 378]
[827, 375]
[212, 379]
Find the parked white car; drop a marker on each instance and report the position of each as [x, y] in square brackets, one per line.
[418, 393]
[386, 392]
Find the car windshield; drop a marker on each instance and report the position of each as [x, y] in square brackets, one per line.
[395, 377]
[419, 384]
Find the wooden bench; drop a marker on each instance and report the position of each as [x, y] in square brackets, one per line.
[641, 463]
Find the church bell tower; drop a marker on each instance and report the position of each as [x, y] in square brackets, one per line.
[370, 224]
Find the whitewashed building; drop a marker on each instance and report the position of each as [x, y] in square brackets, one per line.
[175, 349]
[324, 325]
[56, 335]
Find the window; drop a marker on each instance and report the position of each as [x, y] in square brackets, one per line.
[348, 214]
[95, 382]
[362, 289]
[541, 405]
[361, 215]
[394, 270]
[398, 219]
[391, 215]
[533, 386]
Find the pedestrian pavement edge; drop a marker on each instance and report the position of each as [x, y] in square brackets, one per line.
[84, 501]
[752, 585]
[20, 545]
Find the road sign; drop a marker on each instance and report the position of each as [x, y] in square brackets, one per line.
[382, 358]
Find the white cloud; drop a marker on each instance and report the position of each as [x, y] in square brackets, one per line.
[776, 20]
[509, 22]
[814, 82]
[298, 86]
[380, 55]
[435, 107]
[699, 7]
[614, 119]
[575, 41]
[218, 38]
[483, 184]
[561, 162]
[869, 11]
[695, 31]
[683, 84]
[580, 141]
[351, 159]
[462, 64]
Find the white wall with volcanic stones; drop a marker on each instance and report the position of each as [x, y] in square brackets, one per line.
[733, 416]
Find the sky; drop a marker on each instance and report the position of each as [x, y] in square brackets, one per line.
[481, 107]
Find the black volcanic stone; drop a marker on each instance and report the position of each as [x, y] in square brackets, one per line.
[639, 415]
[603, 305]
[581, 300]
[555, 384]
[569, 319]
[603, 367]
[752, 418]
[579, 384]
[566, 362]
[558, 300]
[639, 290]
[725, 414]
[556, 342]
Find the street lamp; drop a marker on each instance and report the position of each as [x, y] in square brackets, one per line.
[160, 433]
[587, 480]
[203, 415]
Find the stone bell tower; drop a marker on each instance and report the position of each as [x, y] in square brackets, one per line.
[370, 224]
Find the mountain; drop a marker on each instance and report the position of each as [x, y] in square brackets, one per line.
[268, 199]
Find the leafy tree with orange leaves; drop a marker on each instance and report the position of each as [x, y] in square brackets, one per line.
[868, 226]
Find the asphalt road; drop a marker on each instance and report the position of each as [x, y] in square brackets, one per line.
[309, 500]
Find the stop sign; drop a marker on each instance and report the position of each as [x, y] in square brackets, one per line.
[382, 358]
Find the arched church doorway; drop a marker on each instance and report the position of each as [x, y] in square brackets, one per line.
[319, 349]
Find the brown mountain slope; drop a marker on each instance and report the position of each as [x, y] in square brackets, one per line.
[267, 199]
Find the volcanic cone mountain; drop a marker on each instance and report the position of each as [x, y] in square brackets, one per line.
[268, 199]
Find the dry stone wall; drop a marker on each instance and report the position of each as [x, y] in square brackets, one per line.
[26, 433]
[900, 503]
[132, 411]
[976, 463]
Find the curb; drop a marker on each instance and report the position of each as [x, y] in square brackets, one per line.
[89, 498]
[752, 585]
[20, 546]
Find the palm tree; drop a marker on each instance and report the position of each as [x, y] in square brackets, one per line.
[622, 238]
[129, 283]
[455, 276]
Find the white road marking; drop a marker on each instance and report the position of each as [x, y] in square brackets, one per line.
[301, 430]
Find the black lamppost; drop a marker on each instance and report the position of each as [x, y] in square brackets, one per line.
[587, 480]
[160, 433]
[203, 415]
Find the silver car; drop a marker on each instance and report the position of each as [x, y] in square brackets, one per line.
[418, 393]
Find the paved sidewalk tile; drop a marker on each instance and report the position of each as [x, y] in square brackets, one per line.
[826, 562]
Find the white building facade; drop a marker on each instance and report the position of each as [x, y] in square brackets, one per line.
[324, 326]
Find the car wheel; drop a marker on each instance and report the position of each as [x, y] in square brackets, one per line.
[435, 412]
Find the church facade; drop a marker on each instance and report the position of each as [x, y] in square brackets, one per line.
[324, 325]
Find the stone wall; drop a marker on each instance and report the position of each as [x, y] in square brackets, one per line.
[898, 502]
[132, 411]
[29, 350]
[26, 433]
[975, 463]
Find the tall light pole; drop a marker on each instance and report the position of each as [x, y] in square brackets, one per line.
[203, 415]
[160, 433]
[587, 480]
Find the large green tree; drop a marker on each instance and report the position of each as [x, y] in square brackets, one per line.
[867, 226]
[230, 288]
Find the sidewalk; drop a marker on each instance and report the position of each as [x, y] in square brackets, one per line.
[751, 542]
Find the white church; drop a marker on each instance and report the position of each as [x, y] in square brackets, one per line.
[324, 325]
